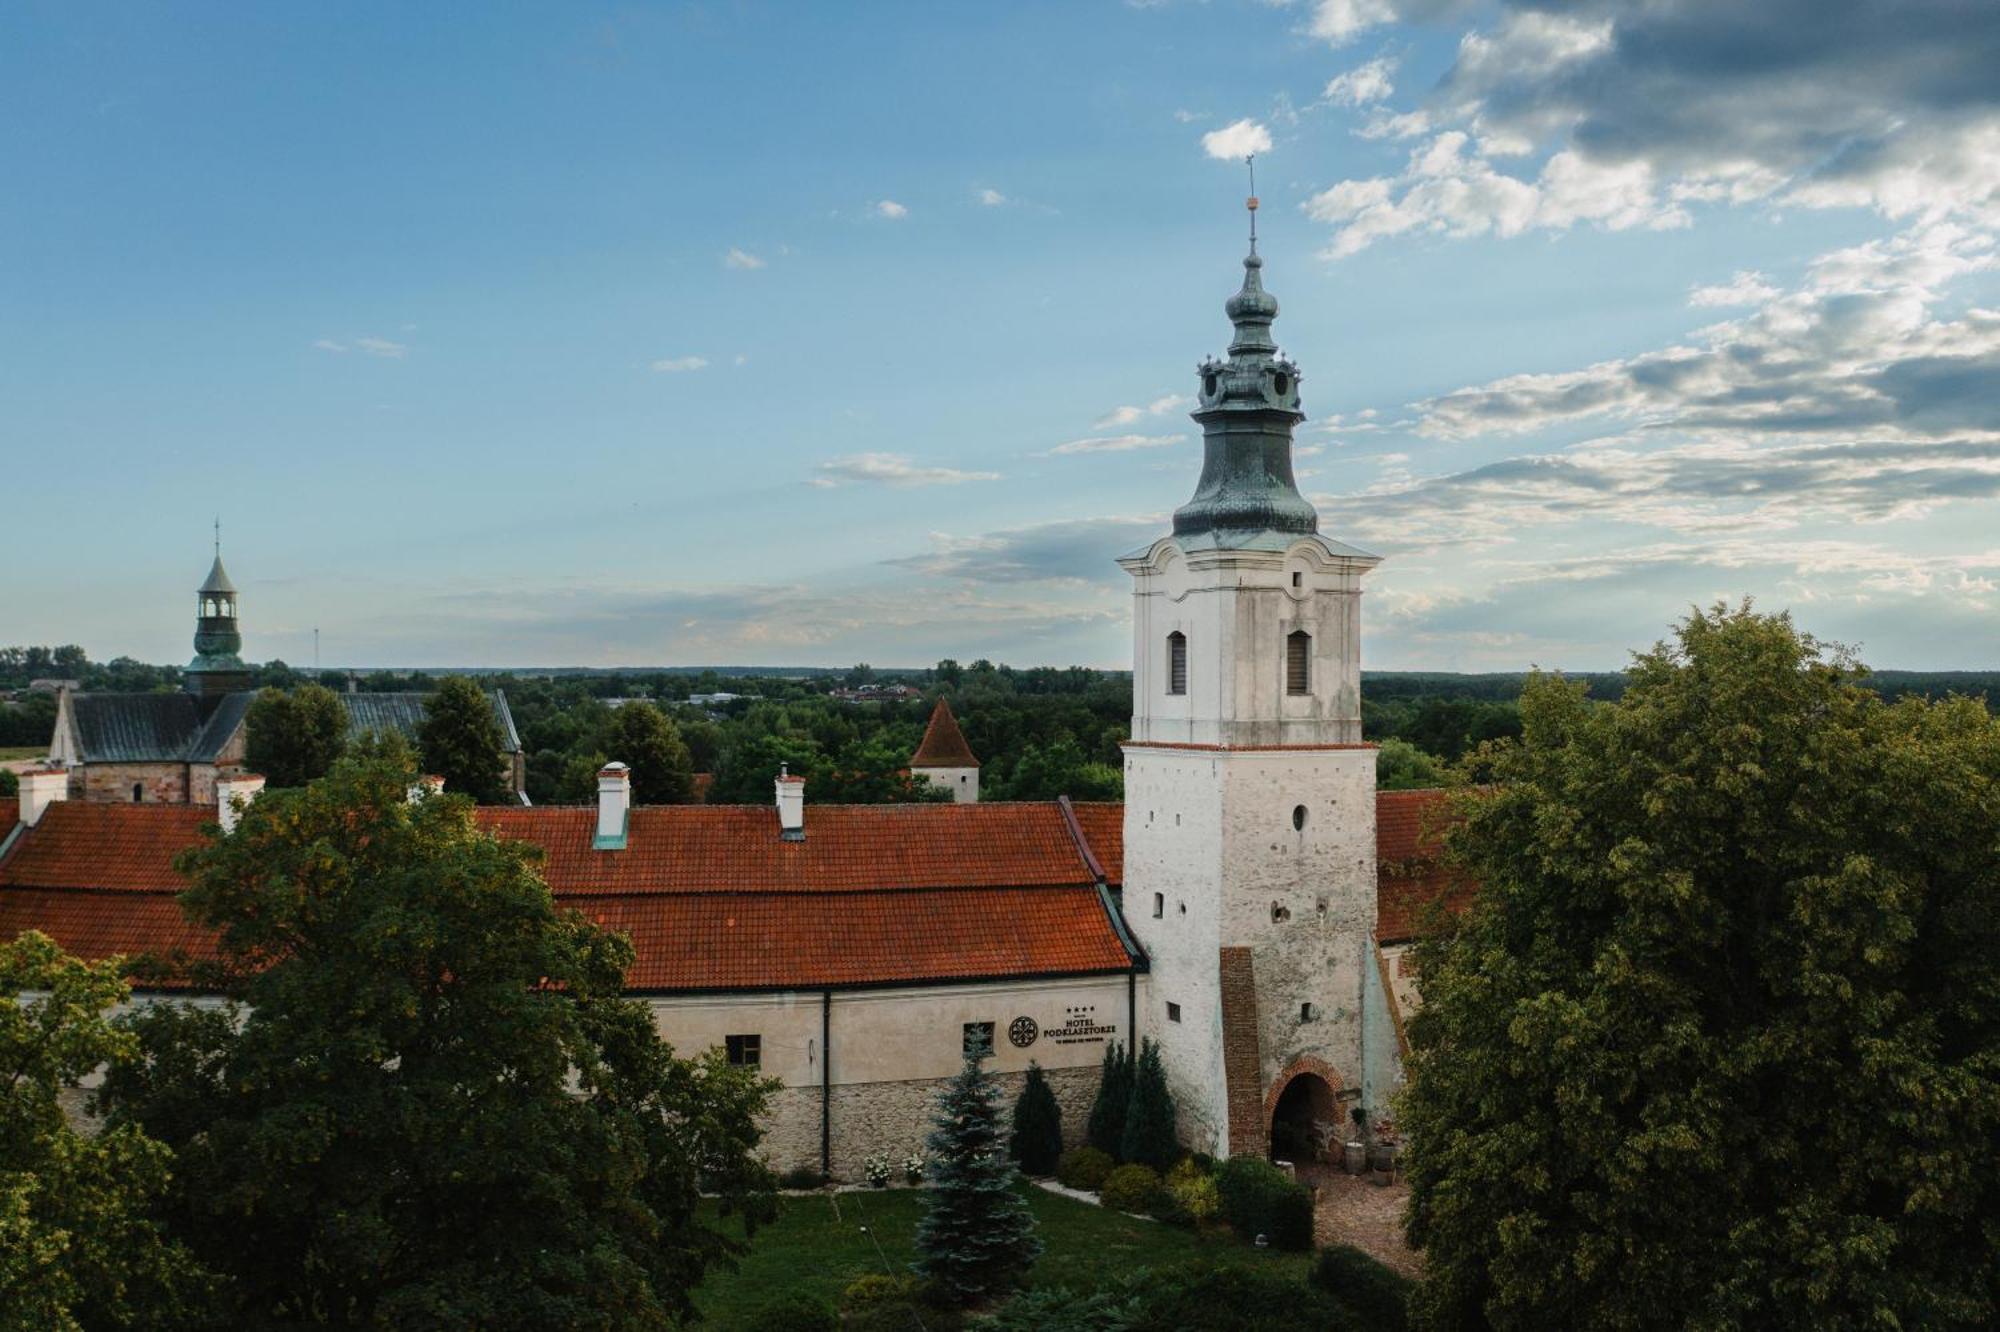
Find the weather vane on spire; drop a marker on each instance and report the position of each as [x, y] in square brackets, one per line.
[1251, 162]
[218, 519]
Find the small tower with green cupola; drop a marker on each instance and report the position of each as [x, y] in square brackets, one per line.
[217, 668]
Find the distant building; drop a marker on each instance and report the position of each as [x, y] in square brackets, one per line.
[170, 748]
[944, 759]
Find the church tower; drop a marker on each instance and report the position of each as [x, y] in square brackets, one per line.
[217, 668]
[1249, 799]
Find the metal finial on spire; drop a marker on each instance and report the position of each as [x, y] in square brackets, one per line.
[1251, 203]
[218, 517]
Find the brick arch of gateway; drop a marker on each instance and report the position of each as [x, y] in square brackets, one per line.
[1321, 1093]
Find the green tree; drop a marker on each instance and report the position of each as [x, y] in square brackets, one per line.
[977, 1238]
[1037, 1139]
[1149, 1137]
[1060, 768]
[77, 1247]
[642, 738]
[293, 737]
[460, 740]
[1401, 766]
[1114, 1096]
[435, 1108]
[1718, 1044]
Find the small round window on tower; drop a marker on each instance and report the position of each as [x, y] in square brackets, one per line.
[1299, 817]
[1208, 385]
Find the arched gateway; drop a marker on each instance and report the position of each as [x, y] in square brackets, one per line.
[1302, 1109]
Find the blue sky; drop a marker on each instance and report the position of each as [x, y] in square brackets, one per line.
[760, 333]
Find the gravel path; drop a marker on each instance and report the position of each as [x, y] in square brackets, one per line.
[1352, 1210]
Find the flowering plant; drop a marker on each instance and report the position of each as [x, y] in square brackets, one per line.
[914, 1166]
[876, 1168]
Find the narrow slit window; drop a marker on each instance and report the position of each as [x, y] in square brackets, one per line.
[1298, 662]
[1176, 662]
[1173, 1011]
[1159, 905]
[744, 1051]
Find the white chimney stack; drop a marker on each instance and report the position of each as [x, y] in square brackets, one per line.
[233, 793]
[791, 806]
[614, 806]
[40, 788]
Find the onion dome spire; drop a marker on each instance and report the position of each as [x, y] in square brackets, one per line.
[1249, 406]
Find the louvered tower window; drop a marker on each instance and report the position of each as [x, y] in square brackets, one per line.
[1177, 662]
[1298, 662]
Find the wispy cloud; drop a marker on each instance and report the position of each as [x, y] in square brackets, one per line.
[891, 469]
[1748, 287]
[990, 198]
[329, 345]
[1363, 84]
[383, 347]
[1114, 444]
[1128, 415]
[1338, 22]
[1237, 140]
[741, 260]
[676, 365]
[890, 209]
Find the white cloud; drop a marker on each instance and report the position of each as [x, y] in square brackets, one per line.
[1189, 117]
[329, 345]
[741, 260]
[1362, 84]
[990, 198]
[891, 469]
[1340, 21]
[675, 365]
[380, 347]
[1747, 287]
[1114, 444]
[1237, 140]
[1160, 406]
[890, 209]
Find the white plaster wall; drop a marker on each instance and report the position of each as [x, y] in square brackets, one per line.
[1173, 848]
[963, 783]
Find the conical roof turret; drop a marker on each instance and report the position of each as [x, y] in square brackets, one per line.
[943, 744]
[217, 580]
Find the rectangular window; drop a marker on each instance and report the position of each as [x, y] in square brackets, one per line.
[1298, 662]
[1159, 905]
[1173, 1011]
[978, 1039]
[1177, 662]
[744, 1051]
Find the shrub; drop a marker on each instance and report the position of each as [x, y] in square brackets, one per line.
[802, 1177]
[876, 1170]
[1130, 1188]
[797, 1312]
[1037, 1140]
[1149, 1138]
[1114, 1095]
[1059, 1309]
[1194, 1192]
[1084, 1168]
[875, 1288]
[1260, 1199]
[1372, 1294]
[1233, 1299]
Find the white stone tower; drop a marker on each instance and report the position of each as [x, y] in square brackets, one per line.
[1249, 799]
[944, 759]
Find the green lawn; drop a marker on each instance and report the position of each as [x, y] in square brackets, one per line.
[9, 754]
[818, 1244]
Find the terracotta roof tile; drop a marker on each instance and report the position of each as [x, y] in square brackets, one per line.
[78, 844]
[1409, 875]
[97, 925]
[1103, 825]
[943, 744]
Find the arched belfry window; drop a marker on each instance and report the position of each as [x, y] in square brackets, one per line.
[1176, 662]
[1298, 662]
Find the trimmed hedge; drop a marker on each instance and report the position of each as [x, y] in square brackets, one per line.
[1131, 1188]
[797, 1312]
[1084, 1168]
[1373, 1294]
[1260, 1199]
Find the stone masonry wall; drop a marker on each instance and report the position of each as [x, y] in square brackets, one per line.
[160, 783]
[894, 1118]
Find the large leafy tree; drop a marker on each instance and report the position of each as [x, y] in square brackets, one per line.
[293, 737]
[642, 737]
[77, 1246]
[1719, 1043]
[435, 1108]
[460, 740]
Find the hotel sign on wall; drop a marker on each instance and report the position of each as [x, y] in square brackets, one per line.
[1079, 1027]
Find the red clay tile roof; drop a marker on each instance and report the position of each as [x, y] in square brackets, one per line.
[77, 844]
[1102, 823]
[97, 925]
[1409, 875]
[943, 744]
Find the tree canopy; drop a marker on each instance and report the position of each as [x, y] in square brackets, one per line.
[1719, 1043]
[460, 740]
[434, 1108]
[293, 736]
[77, 1247]
[642, 737]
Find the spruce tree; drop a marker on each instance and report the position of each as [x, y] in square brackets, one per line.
[1149, 1117]
[1037, 1140]
[1114, 1094]
[978, 1238]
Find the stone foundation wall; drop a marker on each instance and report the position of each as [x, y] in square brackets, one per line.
[894, 1118]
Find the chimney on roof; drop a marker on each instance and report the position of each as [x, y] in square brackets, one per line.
[40, 788]
[429, 784]
[614, 806]
[791, 805]
[233, 793]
